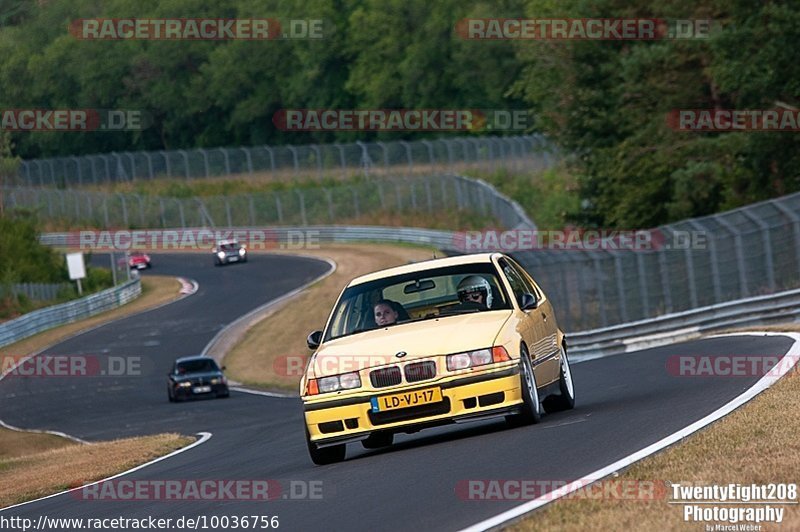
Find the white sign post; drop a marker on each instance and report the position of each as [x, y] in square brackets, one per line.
[77, 270]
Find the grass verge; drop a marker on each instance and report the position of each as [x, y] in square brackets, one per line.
[757, 444]
[43, 470]
[35, 464]
[260, 359]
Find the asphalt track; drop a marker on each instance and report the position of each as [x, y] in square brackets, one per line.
[624, 403]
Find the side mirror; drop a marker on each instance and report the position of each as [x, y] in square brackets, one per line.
[528, 302]
[222, 368]
[314, 339]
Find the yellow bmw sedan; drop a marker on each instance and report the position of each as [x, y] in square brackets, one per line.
[443, 341]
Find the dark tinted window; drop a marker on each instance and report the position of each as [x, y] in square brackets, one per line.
[196, 366]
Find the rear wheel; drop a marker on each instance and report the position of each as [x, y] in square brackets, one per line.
[531, 409]
[376, 440]
[326, 455]
[566, 399]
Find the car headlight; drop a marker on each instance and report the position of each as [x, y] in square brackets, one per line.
[184, 384]
[242, 252]
[480, 357]
[215, 381]
[345, 381]
[221, 254]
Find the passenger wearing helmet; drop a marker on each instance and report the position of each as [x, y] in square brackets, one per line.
[475, 291]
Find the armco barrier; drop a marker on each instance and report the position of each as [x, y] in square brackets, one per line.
[40, 320]
[782, 307]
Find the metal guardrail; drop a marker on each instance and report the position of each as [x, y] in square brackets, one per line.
[40, 320]
[762, 310]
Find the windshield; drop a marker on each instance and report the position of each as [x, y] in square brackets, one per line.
[229, 247]
[417, 296]
[196, 366]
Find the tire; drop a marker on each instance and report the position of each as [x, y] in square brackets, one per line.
[379, 439]
[169, 394]
[326, 455]
[531, 409]
[224, 395]
[566, 399]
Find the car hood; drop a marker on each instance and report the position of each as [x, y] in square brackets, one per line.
[422, 339]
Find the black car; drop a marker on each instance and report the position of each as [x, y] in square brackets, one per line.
[196, 376]
[227, 251]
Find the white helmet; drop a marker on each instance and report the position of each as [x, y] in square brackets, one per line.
[475, 283]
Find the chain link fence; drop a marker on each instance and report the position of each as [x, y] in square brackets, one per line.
[424, 157]
[297, 206]
[751, 251]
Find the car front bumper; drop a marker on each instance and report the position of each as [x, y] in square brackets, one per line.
[481, 396]
[188, 392]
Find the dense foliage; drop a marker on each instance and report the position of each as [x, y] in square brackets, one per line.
[603, 101]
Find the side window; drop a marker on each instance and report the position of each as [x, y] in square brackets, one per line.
[514, 279]
[529, 286]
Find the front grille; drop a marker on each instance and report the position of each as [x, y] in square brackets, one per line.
[414, 412]
[380, 378]
[420, 371]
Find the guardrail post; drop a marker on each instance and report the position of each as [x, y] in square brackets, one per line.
[714, 257]
[318, 156]
[206, 167]
[279, 208]
[302, 206]
[737, 242]
[342, 160]
[778, 204]
[124, 210]
[601, 297]
[133, 165]
[623, 304]
[249, 160]
[185, 163]
[295, 160]
[166, 163]
[767, 243]
[271, 158]
[665, 284]
[642, 285]
[227, 161]
[180, 212]
[149, 164]
[80, 172]
[329, 198]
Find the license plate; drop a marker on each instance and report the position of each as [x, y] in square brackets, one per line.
[233, 259]
[201, 389]
[406, 399]
[141, 266]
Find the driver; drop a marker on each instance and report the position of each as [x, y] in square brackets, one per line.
[474, 289]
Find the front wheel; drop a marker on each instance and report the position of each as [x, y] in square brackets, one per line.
[326, 455]
[531, 409]
[566, 399]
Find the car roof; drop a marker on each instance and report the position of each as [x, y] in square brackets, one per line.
[477, 258]
[192, 357]
[226, 242]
